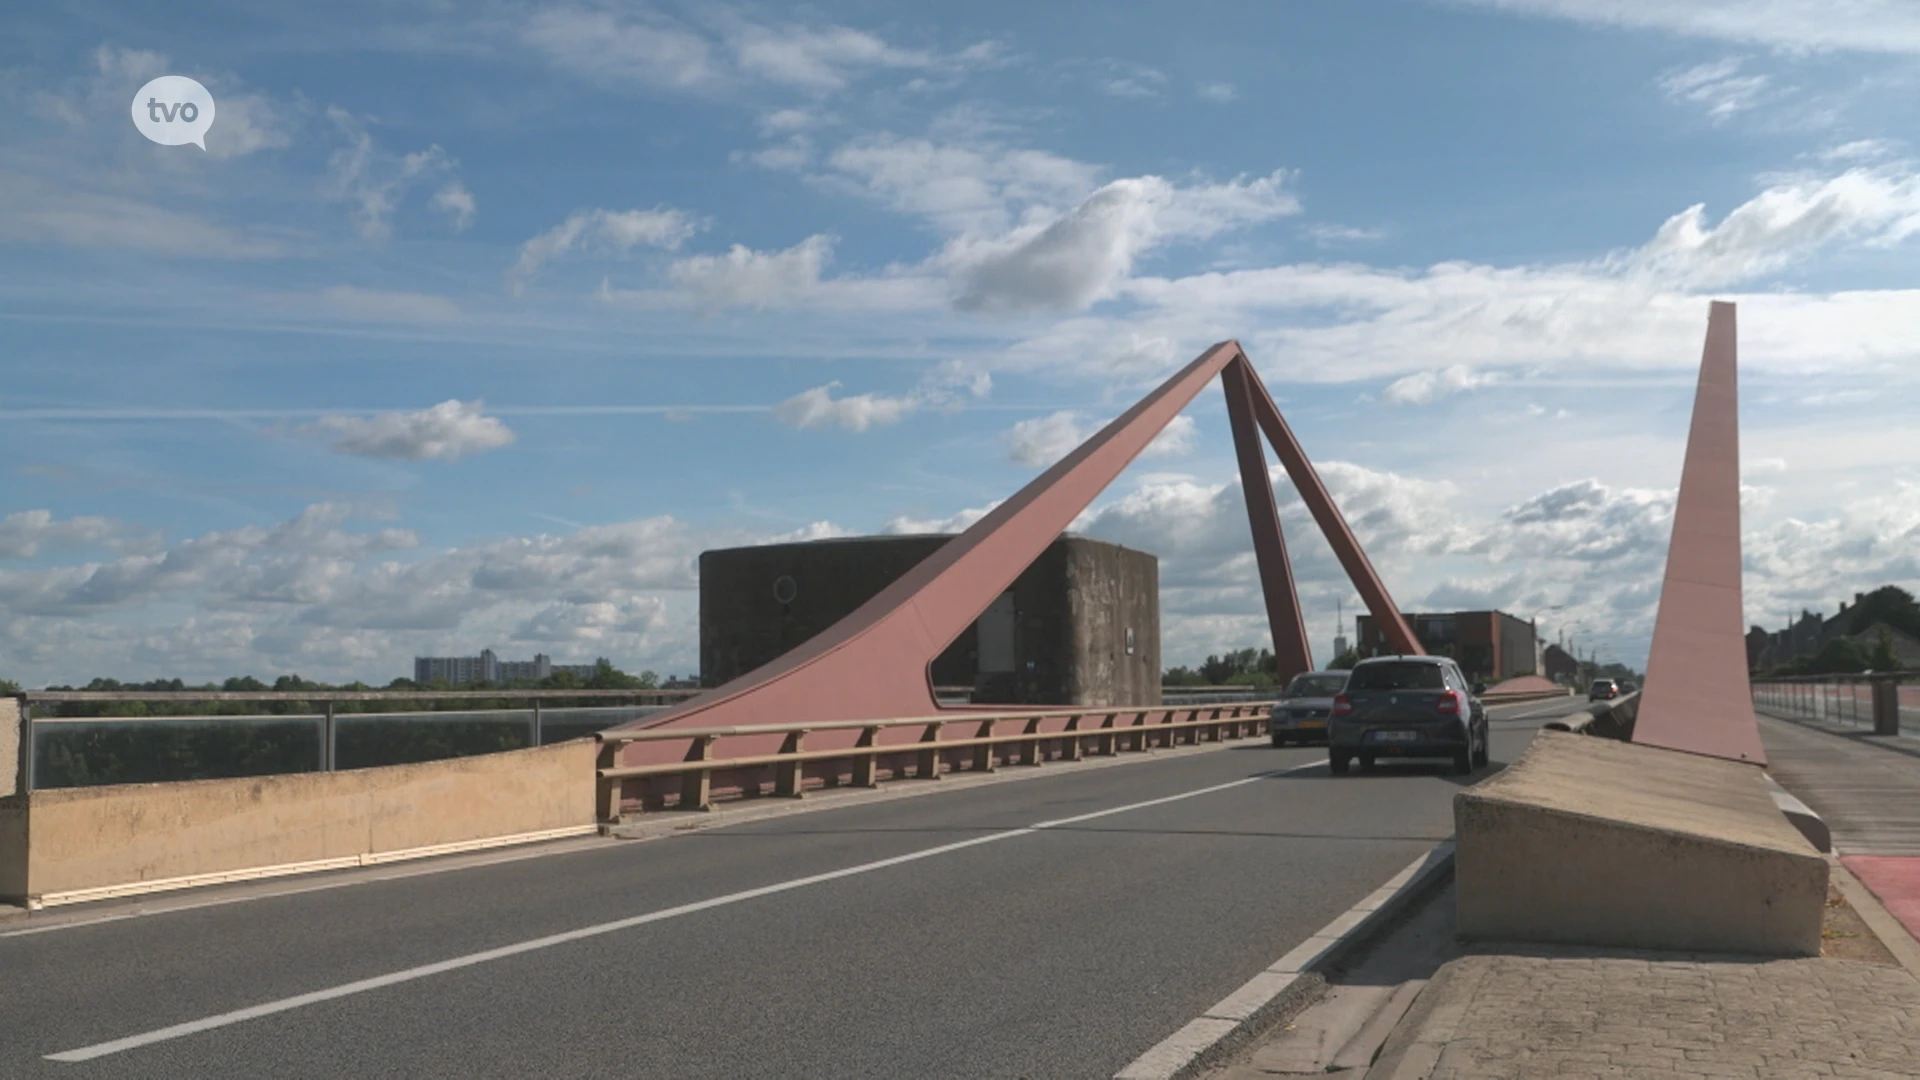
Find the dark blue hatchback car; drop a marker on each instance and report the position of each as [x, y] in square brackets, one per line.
[1407, 706]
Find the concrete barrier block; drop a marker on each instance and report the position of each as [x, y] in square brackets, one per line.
[1596, 842]
[13, 761]
[90, 838]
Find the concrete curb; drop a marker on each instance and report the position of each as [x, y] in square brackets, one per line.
[1878, 919]
[1414, 1049]
[1802, 817]
[1290, 981]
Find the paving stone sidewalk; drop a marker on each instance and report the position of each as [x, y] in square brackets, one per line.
[1545, 1012]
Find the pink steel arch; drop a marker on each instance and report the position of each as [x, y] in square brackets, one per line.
[1697, 696]
[874, 664]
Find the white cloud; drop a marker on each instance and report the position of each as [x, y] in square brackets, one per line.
[1043, 440]
[1082, 257]
[1718, 86]
[1328, 235]
[446, 432]
[372, 180]
[457, 202]
[614, 231]
[247, 123]
[1784, 223]
[640, 47]
[961, 188]
[724, 51]
[1860, 151]
[746, 278]
[1221, 92]
[376, 305]
[906, 525]
[27, 533]
[1425, 387]
[1882, 26]
[72, 218]
[818, 408]
[817, 58]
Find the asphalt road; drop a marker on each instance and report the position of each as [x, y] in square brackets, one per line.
[925, 937]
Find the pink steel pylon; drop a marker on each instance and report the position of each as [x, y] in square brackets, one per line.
[874, 664]
[1697, 696]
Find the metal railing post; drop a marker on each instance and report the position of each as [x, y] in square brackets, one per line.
[329, 746]
[866, 763]
[607, 790]
[533, 725]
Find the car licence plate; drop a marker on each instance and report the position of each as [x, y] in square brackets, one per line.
[1309, 723]
[1395, 736]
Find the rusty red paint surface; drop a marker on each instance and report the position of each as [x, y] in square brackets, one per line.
[1697, 696]
[874, 664]
[1290, 649]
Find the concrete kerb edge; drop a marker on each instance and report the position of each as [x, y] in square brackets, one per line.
[1291, 982]
[1888, 929]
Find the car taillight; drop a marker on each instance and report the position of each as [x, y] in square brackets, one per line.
[1342, 705]
[1450, 702]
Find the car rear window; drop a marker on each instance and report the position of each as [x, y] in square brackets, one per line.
[1397, 676]
[1316, 685]
[1603, 684]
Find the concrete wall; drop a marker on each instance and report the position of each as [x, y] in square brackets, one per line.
[1597, 842]
[85, 838]
[744, 623]
[1109, 591]
[13, 761]
[1073, 606]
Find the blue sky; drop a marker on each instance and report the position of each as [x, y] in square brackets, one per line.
[475, 323]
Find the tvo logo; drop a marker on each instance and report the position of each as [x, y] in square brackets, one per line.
[174, 110]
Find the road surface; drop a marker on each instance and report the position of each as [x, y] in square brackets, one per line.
[1055, 927]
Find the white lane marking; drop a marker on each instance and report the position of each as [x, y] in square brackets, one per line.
[175, 1031]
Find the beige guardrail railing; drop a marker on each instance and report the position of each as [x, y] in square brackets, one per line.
[1138, 728]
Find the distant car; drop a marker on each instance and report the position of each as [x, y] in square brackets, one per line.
[1407, 706]
[1603, 690]
[1627, 688]
[1300, 716]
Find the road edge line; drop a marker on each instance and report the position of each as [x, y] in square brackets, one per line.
[1289, 980]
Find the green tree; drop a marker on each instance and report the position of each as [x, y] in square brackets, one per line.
[1346, 660]
[1838, 656]
[1882, 658]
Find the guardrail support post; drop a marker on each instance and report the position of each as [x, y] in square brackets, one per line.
[606, 790]
[1070, 743]
[787, 778]
[1030, 747]
[929, 765]
[983, 755]
[866, 762]
[696, 786]
[1886, 707]
[533, 725]
[328, 744]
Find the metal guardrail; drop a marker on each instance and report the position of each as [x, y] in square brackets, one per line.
[1168, 727]
[327, 717]
[1888, 702]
